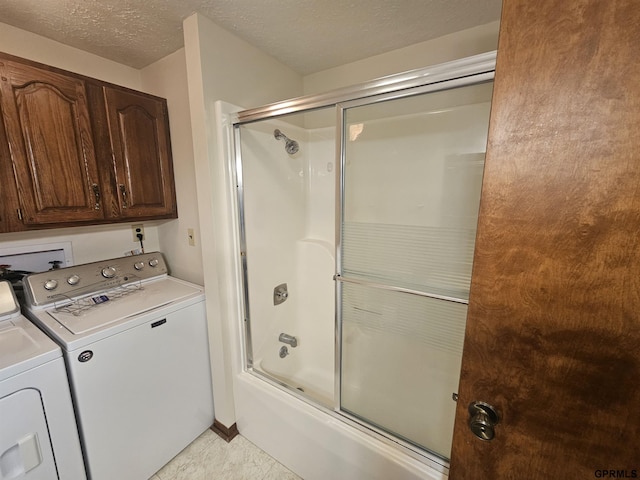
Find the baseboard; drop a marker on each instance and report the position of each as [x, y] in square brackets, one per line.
[227, 434]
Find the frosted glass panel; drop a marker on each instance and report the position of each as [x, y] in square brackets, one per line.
[401, 362]
[412, 189]
[412, 178]
[436, 260]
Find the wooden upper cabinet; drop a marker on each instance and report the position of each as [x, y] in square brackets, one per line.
[76, 151]
[47, 126]
[139, 135]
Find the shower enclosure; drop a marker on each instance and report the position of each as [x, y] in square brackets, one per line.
[357, 217]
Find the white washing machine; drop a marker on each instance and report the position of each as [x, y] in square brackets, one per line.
[136, 347]
[38, 432]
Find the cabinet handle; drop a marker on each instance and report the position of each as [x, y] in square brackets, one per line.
[123, 191]
[96, 193]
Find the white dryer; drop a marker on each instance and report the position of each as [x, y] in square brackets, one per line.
[38, 433]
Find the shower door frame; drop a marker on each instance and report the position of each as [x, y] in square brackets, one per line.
[459, 73]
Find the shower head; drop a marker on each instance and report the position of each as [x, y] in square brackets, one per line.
[291, 146]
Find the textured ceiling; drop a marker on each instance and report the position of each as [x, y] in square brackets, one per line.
[306, 35]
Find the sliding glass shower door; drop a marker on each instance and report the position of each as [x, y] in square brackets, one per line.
[410, 189]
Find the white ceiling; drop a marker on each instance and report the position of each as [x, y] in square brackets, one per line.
[306, 35]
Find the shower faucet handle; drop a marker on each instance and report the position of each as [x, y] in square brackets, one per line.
[280, 294]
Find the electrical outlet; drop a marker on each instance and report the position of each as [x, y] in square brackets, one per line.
[136, 229]
[192, 238]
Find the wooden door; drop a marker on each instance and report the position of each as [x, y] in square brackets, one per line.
[47, 126]
[553, 330]
[139, 133]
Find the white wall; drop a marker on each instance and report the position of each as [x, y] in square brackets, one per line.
[220, 66]
[168, 78]
[40, 49]
[480, 39]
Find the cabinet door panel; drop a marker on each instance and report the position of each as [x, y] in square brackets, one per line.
[138, 127]
[8, 193]
[49, 135]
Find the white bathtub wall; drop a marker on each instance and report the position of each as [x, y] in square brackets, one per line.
[315, 445]
[316, 266]
[321, 196]
[274, 184]
[315, 318]
[289, 220]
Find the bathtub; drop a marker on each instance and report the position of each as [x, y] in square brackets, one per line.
[312, 382]
[317, 444]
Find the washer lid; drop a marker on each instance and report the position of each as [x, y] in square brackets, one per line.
[23, 346]
[99, 311]
[9, 307]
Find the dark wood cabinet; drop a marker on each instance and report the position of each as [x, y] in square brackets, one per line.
[78, 151]
[48, 133]
[139, 134]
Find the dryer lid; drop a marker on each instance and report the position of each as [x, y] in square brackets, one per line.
[23, 347]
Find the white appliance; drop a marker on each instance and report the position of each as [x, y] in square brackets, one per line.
[38, 432]
[136, 347]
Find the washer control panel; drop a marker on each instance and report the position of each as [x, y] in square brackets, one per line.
[53, 285]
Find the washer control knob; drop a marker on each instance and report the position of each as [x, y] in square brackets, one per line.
[109, 272]
[153, 262]
[73, 280]
[138, 265]
[50, 284]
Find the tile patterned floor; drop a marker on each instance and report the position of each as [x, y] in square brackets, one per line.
[211, 458]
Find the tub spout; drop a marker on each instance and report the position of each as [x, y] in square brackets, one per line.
[288, 339]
